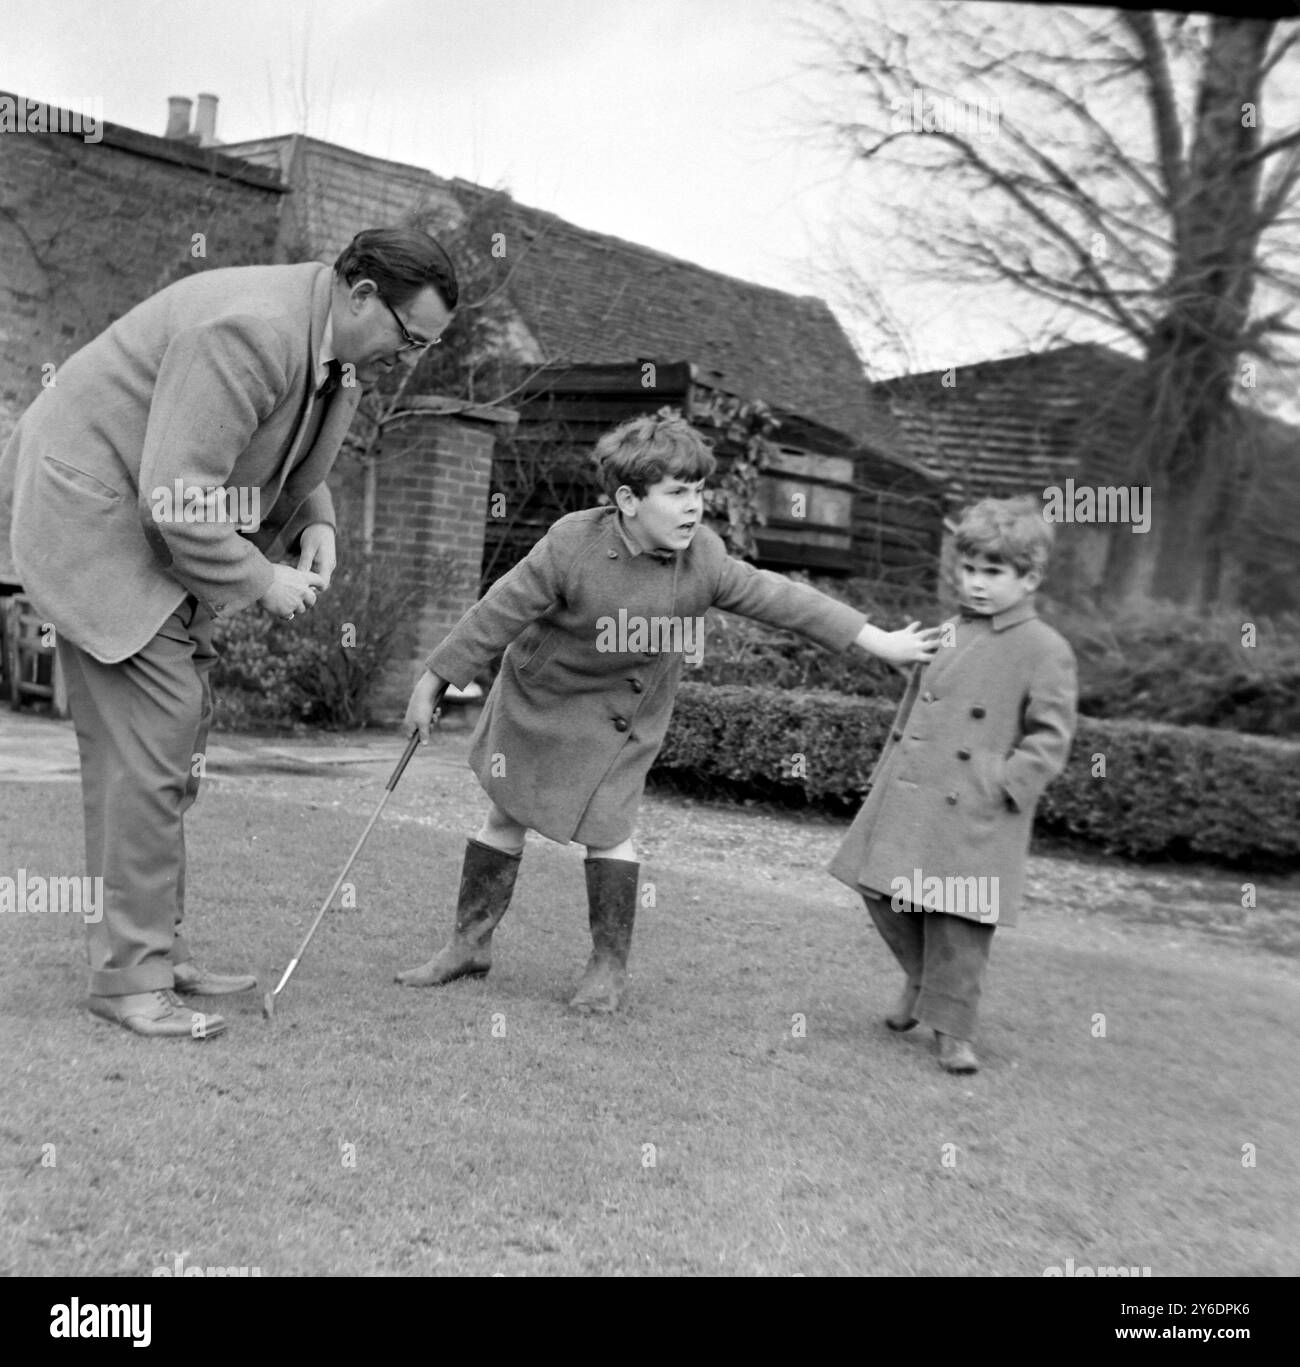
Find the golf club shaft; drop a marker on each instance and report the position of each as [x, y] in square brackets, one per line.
[338, 882]
[398, 770]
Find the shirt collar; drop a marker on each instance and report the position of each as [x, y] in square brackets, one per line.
[1023, 611]
[632, 547]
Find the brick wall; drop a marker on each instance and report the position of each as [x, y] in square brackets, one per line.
[431, 489]
[89, 229]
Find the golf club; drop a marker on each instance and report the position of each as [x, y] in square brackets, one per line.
[268, 1002]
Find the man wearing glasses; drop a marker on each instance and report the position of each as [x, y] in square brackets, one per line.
[156, 485]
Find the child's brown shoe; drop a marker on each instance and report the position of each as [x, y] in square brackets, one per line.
[956, 1055]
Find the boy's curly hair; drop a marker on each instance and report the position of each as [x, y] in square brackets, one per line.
[642, 451]
[1011, 530]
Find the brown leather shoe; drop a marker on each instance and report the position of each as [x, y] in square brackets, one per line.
[198, 982]
[956, 1055]
[901, 1017]
[160, 1014]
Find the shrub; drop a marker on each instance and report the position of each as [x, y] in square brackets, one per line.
[1160, 662]
[1167, 791]
[321, 668]
[1155, 662]
[740, 651]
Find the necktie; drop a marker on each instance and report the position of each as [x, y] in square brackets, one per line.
[320, 404]
[333, 379]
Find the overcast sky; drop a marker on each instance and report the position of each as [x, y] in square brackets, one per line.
[680, 124]
[685, 125]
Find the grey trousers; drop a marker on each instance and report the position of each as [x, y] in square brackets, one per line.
[944, 958]
[142, 726]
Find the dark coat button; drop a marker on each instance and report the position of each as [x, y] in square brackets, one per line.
[952, 799]
[613, 555]
[977, 711]
[963, 753]
[620, 723]
[637, 686]
[898, 735]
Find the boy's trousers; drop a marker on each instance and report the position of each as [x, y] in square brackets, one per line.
[141, 726]
[944, 956]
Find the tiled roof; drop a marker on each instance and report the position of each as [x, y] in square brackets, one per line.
[1011, 426]
[1017, 425]
[588, 298]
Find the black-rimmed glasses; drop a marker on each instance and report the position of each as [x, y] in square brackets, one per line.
[409, 343]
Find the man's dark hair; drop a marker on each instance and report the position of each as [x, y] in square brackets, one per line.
[401, 262]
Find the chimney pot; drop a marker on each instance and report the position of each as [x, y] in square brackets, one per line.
[205, 121]
[178, 116]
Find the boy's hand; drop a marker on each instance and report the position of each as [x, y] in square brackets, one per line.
[425, 698]
[910, 646]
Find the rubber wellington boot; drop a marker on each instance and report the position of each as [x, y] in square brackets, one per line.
[487, 879]
[611, 901]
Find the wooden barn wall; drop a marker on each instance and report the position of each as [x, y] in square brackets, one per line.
[890, 529]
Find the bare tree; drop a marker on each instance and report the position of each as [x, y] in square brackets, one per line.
[1118, 167]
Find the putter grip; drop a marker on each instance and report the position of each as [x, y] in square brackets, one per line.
[404, 761]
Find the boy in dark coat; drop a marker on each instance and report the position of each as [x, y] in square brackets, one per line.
[938, 849]
[597, 623]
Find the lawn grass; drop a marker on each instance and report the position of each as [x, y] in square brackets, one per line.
[478, 1129]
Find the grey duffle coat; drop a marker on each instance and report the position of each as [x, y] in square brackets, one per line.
[569, 731]
[981, 731]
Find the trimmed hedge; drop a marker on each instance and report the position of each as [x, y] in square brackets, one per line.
[1166, 792]
[1144, 662]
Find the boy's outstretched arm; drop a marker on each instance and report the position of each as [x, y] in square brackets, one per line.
[777, 602]
[910, 645]
[519, 597]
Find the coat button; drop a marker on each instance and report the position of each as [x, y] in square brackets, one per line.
[620, 723]
[963, 753]
[613, 555]
[952, 799]
[898, 735]
[977, 712]
[637, 686]
[927, 697]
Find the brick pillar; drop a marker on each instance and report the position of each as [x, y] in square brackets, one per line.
[430, 503]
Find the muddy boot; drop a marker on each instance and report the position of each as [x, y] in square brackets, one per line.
[487, 878]
[611, 900]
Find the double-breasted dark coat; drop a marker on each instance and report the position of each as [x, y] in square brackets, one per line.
[571, 727]
[981, 731]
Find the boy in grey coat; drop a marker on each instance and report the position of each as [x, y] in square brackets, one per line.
[597, 623]
[938, 849]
